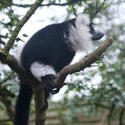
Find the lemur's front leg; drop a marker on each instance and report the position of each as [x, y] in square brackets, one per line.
[45, 74]
[48, 81]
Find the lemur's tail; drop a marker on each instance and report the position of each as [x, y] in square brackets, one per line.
[23, 105]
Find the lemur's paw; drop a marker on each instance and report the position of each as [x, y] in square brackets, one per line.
[48, 81]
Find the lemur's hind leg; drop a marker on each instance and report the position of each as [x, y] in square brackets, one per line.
[45, 74]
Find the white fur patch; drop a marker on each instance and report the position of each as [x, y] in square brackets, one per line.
[80, 35]
[82, 19]
[38, 70]
[18, 53]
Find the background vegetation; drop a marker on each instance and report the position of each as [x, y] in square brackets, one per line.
[96, 95]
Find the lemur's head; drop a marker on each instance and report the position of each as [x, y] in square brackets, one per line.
[83, 21]
[82, 33]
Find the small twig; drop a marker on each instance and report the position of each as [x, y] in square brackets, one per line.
[94, 65]
[49, 4]
[121, 116]
[110, 114]
[8, 105]
[6, 120]
[99, 8]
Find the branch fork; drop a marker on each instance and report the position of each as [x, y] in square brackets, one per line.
[69, 69]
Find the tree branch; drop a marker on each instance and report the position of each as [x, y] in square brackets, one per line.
[20, 24]
[112, 108]
[121, 116]
[49, 4]
[39, 103]
[99, 8]
[69, 69]
[8, 105]
[85, 62]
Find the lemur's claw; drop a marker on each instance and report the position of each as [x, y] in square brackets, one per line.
[54, 91]
[48, 81]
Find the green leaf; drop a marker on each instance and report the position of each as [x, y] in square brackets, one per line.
[103, 67]
[106, 5]
[25, 35]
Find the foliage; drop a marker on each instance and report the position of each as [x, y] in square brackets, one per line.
[96, 95]
[109, 92]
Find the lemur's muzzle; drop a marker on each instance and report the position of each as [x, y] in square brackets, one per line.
[97, 36]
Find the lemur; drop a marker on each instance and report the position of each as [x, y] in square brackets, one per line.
[47, 52]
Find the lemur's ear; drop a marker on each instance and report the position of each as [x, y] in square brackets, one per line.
[82, 19]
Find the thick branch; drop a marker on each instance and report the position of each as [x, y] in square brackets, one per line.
[39, 103]
[21, 23]
[81, 65]
[85, 62]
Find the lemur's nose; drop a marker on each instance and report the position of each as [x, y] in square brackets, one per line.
[97, 36]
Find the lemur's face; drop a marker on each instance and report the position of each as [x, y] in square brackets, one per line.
[96, 35]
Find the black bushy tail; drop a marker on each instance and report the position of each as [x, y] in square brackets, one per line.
[47, 95]
[23, 105]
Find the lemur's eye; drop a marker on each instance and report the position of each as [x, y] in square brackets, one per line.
[91, 24]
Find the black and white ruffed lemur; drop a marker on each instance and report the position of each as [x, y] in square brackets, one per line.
[47, 52]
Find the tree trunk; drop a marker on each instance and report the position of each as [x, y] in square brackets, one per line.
[39, 102]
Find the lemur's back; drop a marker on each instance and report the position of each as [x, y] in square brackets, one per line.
[48, 46]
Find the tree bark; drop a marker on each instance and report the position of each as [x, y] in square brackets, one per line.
[121, 116]
[39, 102]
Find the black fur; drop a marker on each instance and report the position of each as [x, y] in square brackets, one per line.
[23, 104]
[48, 46]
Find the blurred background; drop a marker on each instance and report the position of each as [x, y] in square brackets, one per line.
[95, 96]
